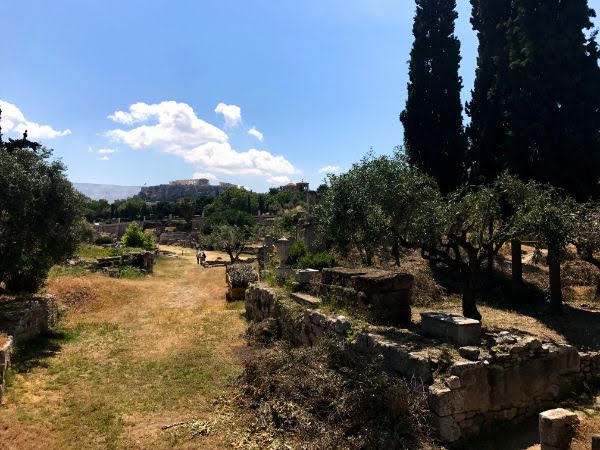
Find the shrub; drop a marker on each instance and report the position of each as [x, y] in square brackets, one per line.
[40, 214]
[180, 225]
[103, 240]
[298, 250]
[136, 238]
[317, 261]
[241, 275]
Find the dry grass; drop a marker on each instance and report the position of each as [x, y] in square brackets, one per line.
[128, 357]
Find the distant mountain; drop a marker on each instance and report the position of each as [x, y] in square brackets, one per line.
[109, 192]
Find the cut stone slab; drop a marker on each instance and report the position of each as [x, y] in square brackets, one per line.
[457, 329]
[557, 428]
[306, 299]
[471, 353]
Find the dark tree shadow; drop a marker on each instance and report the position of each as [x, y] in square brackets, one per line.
[34, 352]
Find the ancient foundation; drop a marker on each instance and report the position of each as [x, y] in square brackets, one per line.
[514, 378]
[22, 319]
[387, 295]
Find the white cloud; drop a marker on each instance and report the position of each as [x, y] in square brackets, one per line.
[104, 158]
[279, 180]
[14, 121]
[174, 128]
[330, 169]
[232, 114]
[257, 134]
[205, 175]
[104, 151]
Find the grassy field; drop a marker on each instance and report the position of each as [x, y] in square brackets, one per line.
[129, 357]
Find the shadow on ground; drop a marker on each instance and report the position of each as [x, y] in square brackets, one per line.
[35, 352]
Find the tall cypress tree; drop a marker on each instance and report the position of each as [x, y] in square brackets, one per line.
[433, 133]
[488, 131]
[553, 110]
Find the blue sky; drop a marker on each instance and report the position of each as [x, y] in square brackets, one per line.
[322, 81]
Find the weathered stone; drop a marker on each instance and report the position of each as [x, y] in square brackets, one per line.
[471, 353]
[557, 428]
[457, 329]
[305, 276]
[447, 428]
[453, 382]
[306, 299]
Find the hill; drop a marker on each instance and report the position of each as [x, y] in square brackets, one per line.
[109, 192]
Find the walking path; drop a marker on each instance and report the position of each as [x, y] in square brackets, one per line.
[130, 358]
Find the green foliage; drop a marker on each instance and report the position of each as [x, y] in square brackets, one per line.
[349, 215]
[187, 207]
[297, 251]
[317, 261]
[233, 217]
[103, 240]
[433, 132]
[230, 239]
[535, 109]
[180, 225]
[40, 214]
[132, 208]
[130, 272]
[136, 238]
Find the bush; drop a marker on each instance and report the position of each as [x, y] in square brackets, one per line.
[40, 215]
[317, 261]
[241, 275]
[180, 225]
[136, 238]
[103, 240]
[298, 250]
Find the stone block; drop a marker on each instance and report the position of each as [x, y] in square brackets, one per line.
[470, 353]
[457, 329]
[306, 299]
[305, 276]
[447, 428]
[557, 428]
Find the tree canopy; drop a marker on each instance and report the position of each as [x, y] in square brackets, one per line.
[433, 133]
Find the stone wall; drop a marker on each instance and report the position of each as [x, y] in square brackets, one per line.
[514, 379]
[387, 295]
[510, 385]
[5, 351]
[22, 319]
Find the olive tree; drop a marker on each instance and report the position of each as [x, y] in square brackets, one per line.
[231, 239]
[551, 217]
[349, 215]
[40, 214]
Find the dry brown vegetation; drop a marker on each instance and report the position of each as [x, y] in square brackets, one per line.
[129, 357]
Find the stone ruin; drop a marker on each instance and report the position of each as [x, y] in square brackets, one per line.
[387, 295]
[22, 319]
[143, 261]
[494, 379]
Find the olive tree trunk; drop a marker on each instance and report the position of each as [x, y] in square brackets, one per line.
[516, 269]
[469, 305]
[556, 299]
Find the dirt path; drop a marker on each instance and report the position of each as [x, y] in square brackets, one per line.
[129, 357]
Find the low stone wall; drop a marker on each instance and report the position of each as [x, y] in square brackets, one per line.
[387, 295]
[141, 260]
[22, 319]
[5, 352]
[306, 326]
[510, 385]
[514, 379]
